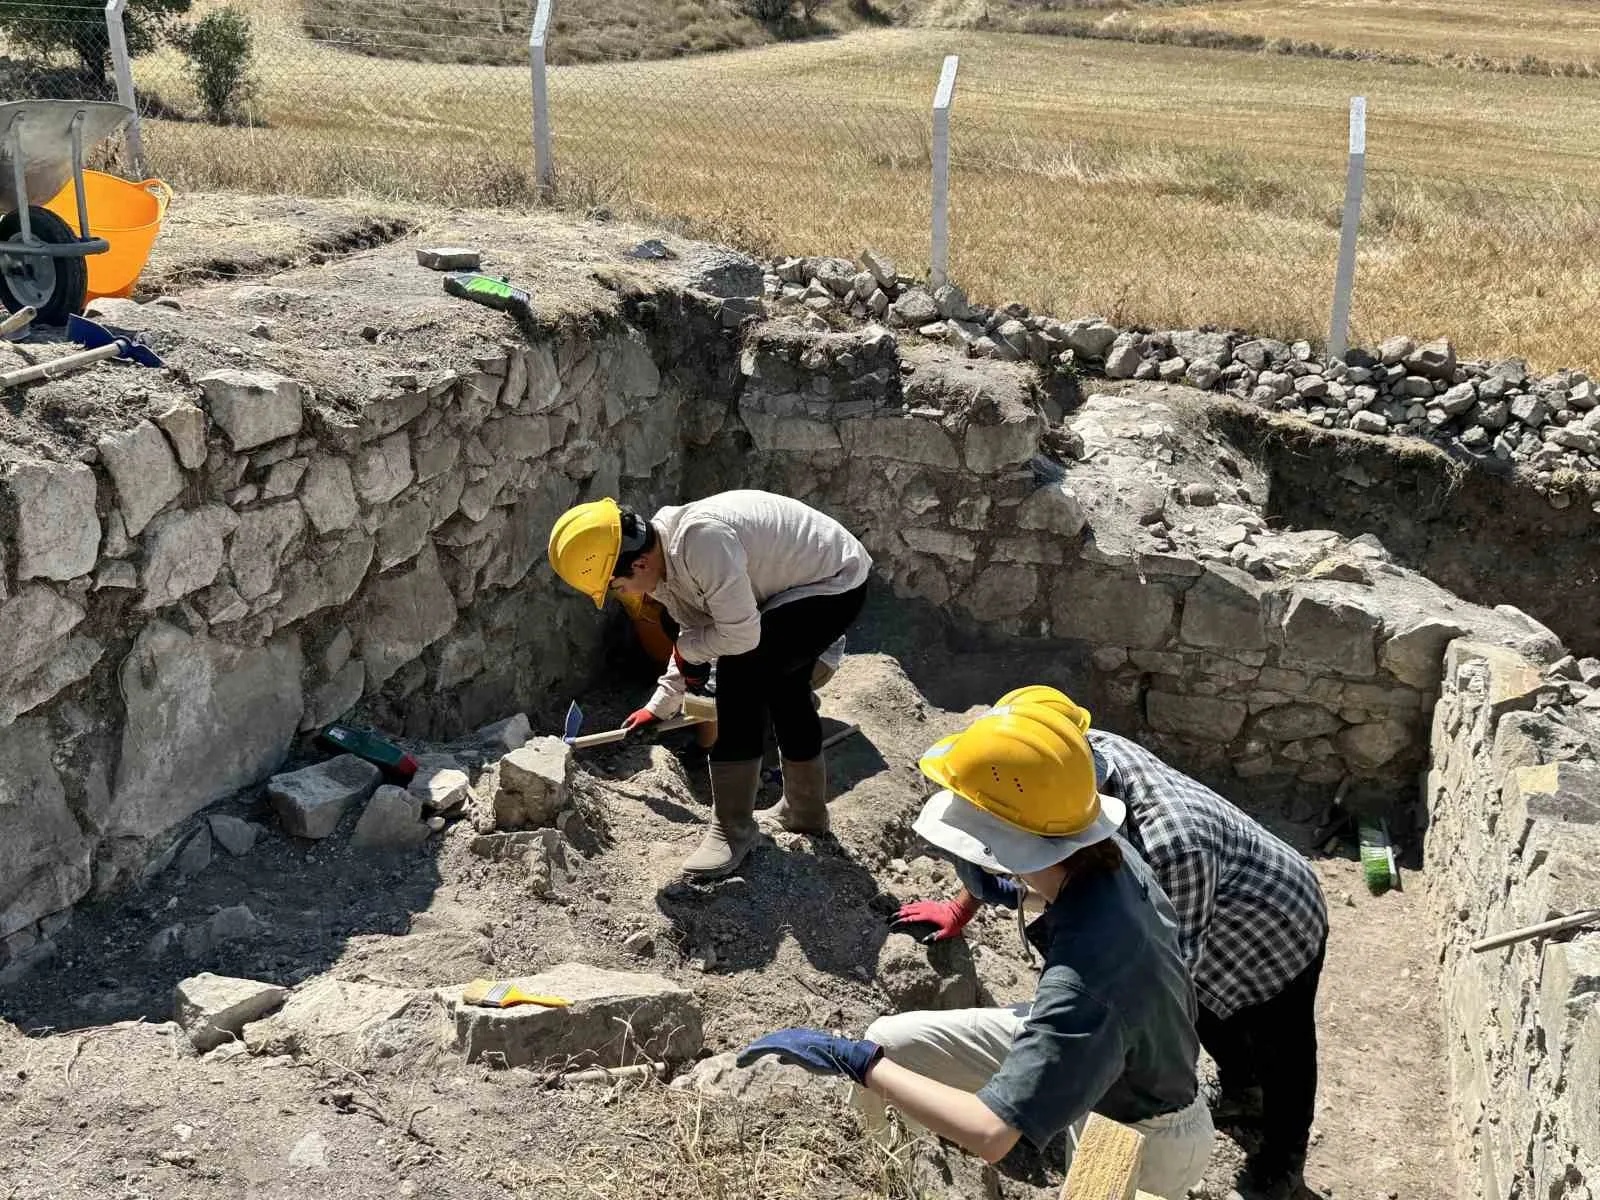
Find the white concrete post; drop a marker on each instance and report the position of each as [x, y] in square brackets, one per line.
[122, 66]
[1345, 278]
[941, 171]
[543, 162]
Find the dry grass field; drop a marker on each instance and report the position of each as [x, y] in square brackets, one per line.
[1159, 184]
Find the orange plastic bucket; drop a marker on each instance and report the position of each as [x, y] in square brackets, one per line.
[128, 215]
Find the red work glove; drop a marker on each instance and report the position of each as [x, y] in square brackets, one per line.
[640, 718]
[935, 920]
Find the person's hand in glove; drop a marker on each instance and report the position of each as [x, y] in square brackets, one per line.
[817, 1052]
[695, 674]
[639, 718]
[935, 920]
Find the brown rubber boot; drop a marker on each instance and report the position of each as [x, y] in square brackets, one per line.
[804, 807]
[733, 831]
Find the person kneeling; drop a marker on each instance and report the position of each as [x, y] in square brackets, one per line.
[1111, 1026]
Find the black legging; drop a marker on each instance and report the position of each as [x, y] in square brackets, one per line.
[773, 681]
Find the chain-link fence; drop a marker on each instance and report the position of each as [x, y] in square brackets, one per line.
[1160, 185]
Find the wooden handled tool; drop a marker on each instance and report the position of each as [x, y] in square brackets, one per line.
[1559, 925]
[18, 320]
[101, 344]
[697, 710]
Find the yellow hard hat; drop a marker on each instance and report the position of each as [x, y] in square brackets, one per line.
[584, 546]
[1027, 765]
[1040, 693]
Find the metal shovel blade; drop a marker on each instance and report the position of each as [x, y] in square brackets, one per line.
[574, 722]
[91, 336]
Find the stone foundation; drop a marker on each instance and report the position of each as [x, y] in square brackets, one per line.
[1514, 796]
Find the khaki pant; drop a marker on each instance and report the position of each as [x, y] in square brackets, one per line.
[965, 1047]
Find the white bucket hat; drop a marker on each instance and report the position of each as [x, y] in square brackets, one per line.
[961, 828]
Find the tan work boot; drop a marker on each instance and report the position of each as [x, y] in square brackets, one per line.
[804, 807]
[733, 831]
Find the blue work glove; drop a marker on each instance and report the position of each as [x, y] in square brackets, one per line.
[815, 1051]
[990, 889]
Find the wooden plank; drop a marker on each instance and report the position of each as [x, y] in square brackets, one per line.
[1106, 1163]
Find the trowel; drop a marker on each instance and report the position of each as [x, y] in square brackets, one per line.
[697, 710]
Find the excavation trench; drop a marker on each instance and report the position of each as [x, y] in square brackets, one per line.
[350, 519]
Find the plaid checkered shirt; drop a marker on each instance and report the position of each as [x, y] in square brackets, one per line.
[1250, 913]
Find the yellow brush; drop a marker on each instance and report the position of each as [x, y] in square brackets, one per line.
[489, 993]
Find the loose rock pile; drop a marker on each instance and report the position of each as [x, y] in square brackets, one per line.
[1487, 410]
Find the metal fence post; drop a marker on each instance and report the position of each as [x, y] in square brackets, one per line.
[123, 68]
[941, 171]
[543, 164]
[1345, 278]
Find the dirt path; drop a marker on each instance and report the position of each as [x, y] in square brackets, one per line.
[125, 1112]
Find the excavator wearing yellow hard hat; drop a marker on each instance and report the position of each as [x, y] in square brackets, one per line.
[1026, 764]
[586, 543]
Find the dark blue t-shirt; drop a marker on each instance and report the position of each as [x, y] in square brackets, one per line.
[1112, 1024]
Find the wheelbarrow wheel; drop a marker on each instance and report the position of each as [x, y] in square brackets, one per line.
[57, 287]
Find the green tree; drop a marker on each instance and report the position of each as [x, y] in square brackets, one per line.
[78, 27]
[221, 53]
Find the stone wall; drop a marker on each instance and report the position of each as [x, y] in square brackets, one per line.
[1280, 666]
[223, 562]
[1514, 798]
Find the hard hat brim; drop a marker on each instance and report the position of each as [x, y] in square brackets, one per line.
[961, 828]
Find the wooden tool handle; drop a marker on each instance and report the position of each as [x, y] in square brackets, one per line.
[57, 367]
[1559, 925]
[18, 320]
[617, 735]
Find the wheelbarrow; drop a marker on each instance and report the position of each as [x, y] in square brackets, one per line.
[41, 150]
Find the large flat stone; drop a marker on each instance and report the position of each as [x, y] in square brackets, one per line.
[184, 553]
[144, 471]
[1223, 609]
[383, 470]
[1111, 608]
[902, 438]
[185, 427]
[258, 545]
[252, 407]
[311, 801]
[532, 784]
[1295, 722]
[36, 622]
[1198, 718]
[327, 1015]
[329, 495]
[214, 1009]
[1415, 654]
[616, 1018]
[392, 820]
[44, 851]
[1324, 628]
[204, 718]
[407, 612]
[58, 533]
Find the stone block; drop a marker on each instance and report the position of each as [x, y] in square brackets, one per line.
[327, 1015]
[308, 586]
[1326, 628]
[1053, 508]
[1414, 654]
[902, 438]
[58, 532]
[1295, 722]
[989, 449]
[44, 850]
[1560, 792]
[441, 788]
[36, 622]
[335, 696]
[184, 553]
[213, 1009]
[448, 258]
[1433, 360]
[507, 735]
[407, 611]
[252, 407]
[329, 495]
[1509, 682]
[1197, 718]
[237, 837]
[259, 544]
[185, 427]
[940, 542]
[615, 1018]
[1111, 607]
[1001, 591]
[532, 784]
[392, 820]
[786, 434]
[1223, 609]
[383, 470]
[310, 802]
[1041, 549]
[204, 718]
[144, 471]
[1371, 746]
